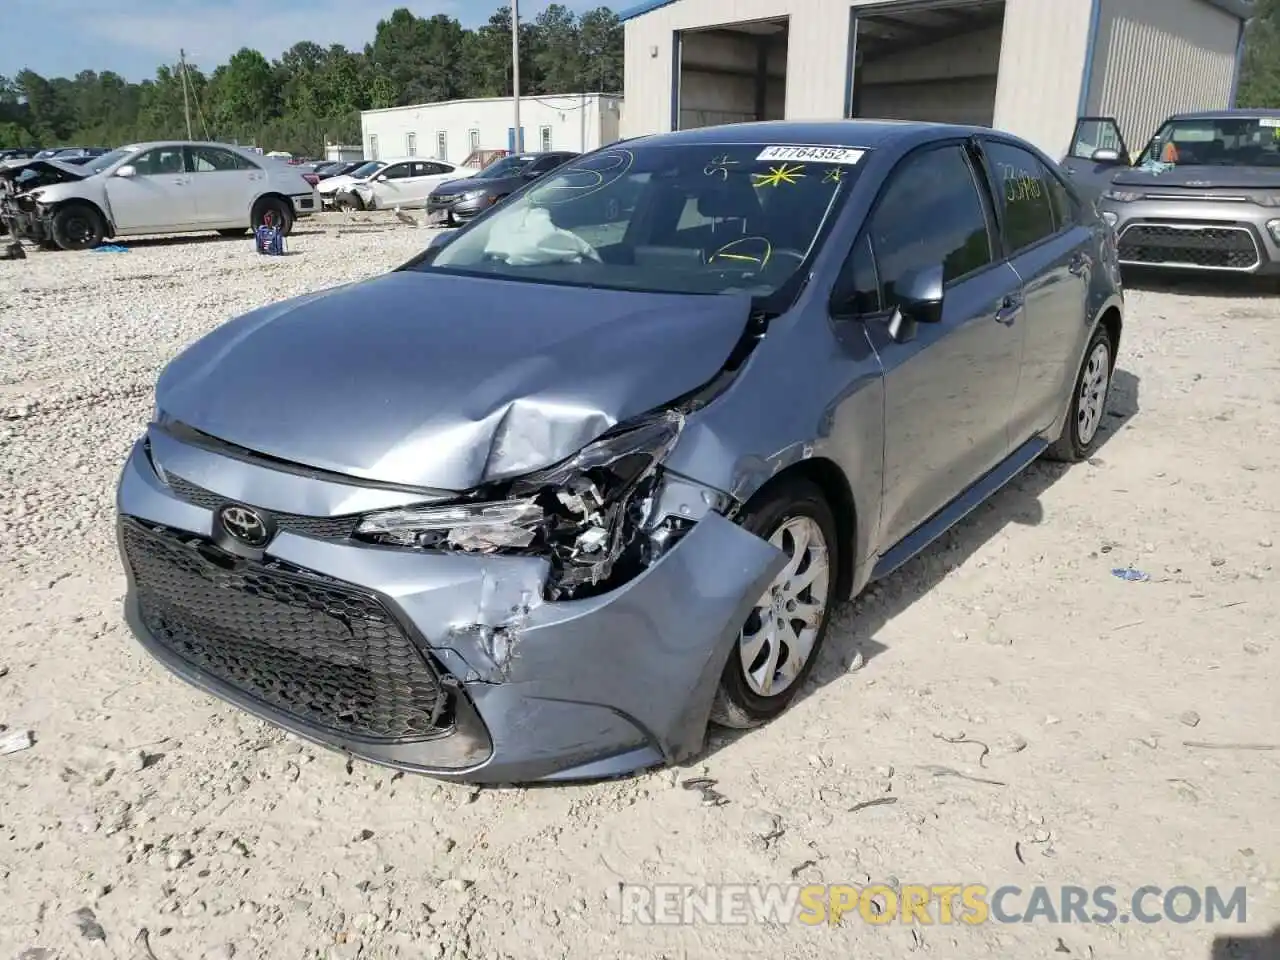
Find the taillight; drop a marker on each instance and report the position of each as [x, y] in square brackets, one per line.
[311, 178]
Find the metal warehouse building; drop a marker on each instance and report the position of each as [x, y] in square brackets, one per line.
[1026, 66]
[452, 129]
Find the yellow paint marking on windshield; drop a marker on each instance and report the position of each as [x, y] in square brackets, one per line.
[787, 173]
[834, 175]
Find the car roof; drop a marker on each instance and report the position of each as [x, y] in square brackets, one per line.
[1253, 113]
[150, 144]
[825, 133]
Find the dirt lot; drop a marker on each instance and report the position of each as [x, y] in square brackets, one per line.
[151, 806]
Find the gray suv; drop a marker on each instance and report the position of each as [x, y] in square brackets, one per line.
[1203, 195]
[594, 470]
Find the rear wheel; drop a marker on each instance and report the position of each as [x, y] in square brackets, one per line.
[274, 211]
[77, 226]
[1082, 431]
[779, 643]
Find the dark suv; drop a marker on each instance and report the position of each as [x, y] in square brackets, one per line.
[457, 201]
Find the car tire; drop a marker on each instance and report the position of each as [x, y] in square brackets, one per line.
[77, 226]
[236, 232]
[782, 516]
[1090, 390]
[281, 214]
[349, 203]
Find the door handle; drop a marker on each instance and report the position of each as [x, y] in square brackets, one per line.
[1079, 264]
[1010, 307]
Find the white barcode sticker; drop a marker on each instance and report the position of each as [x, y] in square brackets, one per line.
[797, 154]
[1269, 122]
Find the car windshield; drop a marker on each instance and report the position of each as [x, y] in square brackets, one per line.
[366, 169]
[503, 167]
[98, 164]
[1218, 142]
[701, 218]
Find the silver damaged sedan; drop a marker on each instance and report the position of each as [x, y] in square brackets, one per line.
[592, 471]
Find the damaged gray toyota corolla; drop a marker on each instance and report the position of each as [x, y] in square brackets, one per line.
[593, 471]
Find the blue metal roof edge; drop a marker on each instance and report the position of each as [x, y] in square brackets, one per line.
[1244, 9]
[640, 9]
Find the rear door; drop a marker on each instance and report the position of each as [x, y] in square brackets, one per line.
[225, 185]
[1090, 172]
[157, 198]
[1043, 235]
[948, 390]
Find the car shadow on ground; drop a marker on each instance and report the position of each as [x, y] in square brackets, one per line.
[1266, 947]
[856, 625]
[1200, 284]
[142, 243]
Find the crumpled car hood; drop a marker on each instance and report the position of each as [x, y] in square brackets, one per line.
[40, 173]
[445, 382]
[1203, 178]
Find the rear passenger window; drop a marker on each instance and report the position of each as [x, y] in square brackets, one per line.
[1023, 190]
[930, 214]
[1065, 212]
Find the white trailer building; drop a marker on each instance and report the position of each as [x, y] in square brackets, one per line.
[453, 129]
[1026, 66]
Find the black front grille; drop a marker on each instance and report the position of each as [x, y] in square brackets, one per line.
[1226, 247]
[315, 648]
[319, 528]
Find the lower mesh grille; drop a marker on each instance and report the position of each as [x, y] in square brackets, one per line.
[314, 648]
[1226, 247]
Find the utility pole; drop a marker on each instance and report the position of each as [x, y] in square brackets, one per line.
[518, 140]
[186, 103]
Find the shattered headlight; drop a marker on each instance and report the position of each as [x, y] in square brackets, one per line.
[1121, 196]
[482, 527]
[584, 514]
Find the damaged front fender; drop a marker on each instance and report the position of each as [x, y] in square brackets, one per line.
[647, 656]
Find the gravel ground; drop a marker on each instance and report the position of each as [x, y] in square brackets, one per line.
[144, 804]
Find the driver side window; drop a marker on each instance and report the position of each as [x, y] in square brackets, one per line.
[931, 213]
[160, 162]
[396, 171]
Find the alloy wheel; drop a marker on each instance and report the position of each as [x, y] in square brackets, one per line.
[780, 632]
[1093, 393]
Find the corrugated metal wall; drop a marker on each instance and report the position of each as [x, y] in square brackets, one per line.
[1041, 62]
[1157, 57]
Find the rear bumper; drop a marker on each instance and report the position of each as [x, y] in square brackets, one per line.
[555, 691]
[305, 204]
[1218, 237]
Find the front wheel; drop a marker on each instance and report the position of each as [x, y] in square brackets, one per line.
[1082, 431]
[77, 226]
[779, 643]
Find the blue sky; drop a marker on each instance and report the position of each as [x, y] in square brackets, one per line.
[131, 37]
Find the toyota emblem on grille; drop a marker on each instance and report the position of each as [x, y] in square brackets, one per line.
[245, 524]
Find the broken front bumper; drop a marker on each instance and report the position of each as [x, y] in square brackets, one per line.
[426, 661]
[22, 221]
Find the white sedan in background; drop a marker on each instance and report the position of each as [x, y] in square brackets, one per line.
[163, 187]
[405, 183]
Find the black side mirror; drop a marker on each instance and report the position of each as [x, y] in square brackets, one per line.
[919, 294]
[441, 238]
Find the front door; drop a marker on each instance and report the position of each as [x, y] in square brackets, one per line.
[950, 388]
[389, 186]
[1052, 252]
[157, 197]
[1090, 162]
[224, 185]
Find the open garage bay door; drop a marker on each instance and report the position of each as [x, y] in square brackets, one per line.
[733, 74]
[936, 60]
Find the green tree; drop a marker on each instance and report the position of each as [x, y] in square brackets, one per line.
[312, 95]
